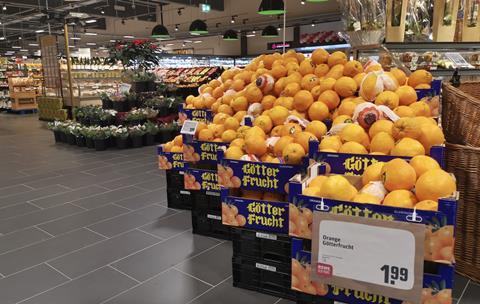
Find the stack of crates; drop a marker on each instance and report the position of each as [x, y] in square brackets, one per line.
[177, 196]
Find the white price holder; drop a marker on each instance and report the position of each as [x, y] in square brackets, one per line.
[189, 127]
[458, 60]
[375, 256]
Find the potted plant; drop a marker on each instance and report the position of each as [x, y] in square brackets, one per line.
[106, 117]
[79, 138]
[54, 127]
[136, 117]
[107, 103]
[143, 82]
[167, 132]
[174, 104]
[120, 134]
[150, 114]
[100, 138]
[87, 132]
[71, 134]
[120, 104]
[131, 100]
[136, 135]
[151, 130]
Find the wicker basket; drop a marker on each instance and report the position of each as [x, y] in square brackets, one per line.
[461, 113]
[464, 162]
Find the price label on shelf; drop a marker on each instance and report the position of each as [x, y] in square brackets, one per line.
[189, 127]
[375, 256]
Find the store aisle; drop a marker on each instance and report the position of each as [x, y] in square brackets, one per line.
[85, 227]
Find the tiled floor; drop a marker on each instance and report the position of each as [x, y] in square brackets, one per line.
[84, 227]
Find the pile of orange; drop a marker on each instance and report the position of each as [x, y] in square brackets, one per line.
[174, 146]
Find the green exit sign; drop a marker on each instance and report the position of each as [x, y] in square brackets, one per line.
[205, 8]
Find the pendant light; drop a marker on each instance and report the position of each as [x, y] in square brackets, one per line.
[198, 27]
[271, 7]
[230, 35]
[270, 32]
[160, 32]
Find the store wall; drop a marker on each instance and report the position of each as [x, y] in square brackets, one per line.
[258, 44]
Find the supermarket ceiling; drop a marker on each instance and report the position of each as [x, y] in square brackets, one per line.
[25, 20]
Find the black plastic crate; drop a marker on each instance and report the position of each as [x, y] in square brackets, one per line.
[261, 245]
[209, 223]
[175, 180]
[179, 199]
[207, 200]
[305, 298]
[271, 278]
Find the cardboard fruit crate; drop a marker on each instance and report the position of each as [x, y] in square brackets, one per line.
[170, 160]
[261, 245]
[203, 115]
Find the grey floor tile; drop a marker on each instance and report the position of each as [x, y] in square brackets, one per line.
[146, 263]
[114, 168]
[26, 179]
[472, 294]
[128, 181]
[31, 195]
[21, 238]
[154, 184]
[170, 226]
[142, 200]
[212, 266]
[131, 220]
[11, 190]
[103, 253]
[108, 197]
[93, 288]
[284, 301]
[16, 210]
[36, 218]
[170, 287]
[28, 283]
[14, 261]
[459, 284]
[138, 169]
[69, 196]
[82, 219]
[226, 293]
[76, 180]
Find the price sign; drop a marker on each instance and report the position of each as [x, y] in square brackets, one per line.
[189, 127]
[375, 256]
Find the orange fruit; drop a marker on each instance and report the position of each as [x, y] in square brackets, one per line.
[387, 98]
[406, 94]
[406, 127]
[330, 98]
[327, 84]
[238, 142]
[267, 101]
[302, 100]
[291, 129]
[311, 191]
[199, 103]
[268, 61]
[317, 128]
[421, 108]
[431, 135]
[337, 58]
[225, 109]
[234, 152]
[382, 142]
[309, 81]
[255, 145]
[231, 123]
[176, 149]
[400, 199]
[435, 184]
[304, 138]
[255, 131]
[306, 67]
[338, 187]
[347, 108]
[206, 135]
[421, 120]
[283, 101]
[399, 75]
[336, 71]
[278, 71]
[242, 131]
[408, 147]
[239, 115]
[229, 135]
[352, 68]
[381, 125]
[320, 56]
[317, 181]
[423, 163]
[321, 70]
[291, 89]
[366, 198]
[253, 94]
[359, 78]
[278, 114]
[216, 129]
[215, 106]
[372, 173]
[281, 143]
[419, 77]
[293, 153]
[404, 111]
[276, 131]
[353, 132]
[345, 86]
[264, 122]
[423, 86]
[318, 111]
[342, 119]
[398, 174]
[330, 143]
[189, 99]
[239, 104]
[217, 92]
[238, 85]
[370, 87]
[352, 147]
[200, 126]
[427, 205]
[373, 68]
